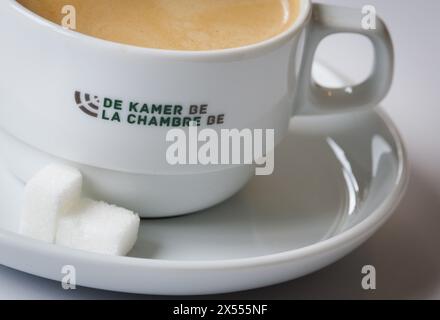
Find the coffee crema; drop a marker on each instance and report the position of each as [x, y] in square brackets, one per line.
[175, 24]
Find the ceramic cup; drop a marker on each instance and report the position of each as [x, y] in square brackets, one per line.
[60, 90]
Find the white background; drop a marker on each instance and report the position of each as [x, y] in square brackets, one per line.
[406, 251]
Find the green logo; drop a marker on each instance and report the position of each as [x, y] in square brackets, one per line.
[141, 113]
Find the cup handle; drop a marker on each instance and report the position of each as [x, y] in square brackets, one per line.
[315, 99]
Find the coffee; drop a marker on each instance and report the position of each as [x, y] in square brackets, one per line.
[175, 24]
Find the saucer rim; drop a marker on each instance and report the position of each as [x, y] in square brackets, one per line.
[360, 230]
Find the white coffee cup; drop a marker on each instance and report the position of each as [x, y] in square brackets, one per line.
[51, 76]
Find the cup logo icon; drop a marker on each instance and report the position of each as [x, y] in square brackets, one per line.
[87, 104]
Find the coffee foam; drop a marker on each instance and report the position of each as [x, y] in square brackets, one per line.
[176, 24]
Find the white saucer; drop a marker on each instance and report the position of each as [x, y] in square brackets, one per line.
[342, 182]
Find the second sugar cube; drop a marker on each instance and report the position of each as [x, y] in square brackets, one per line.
[98, 227]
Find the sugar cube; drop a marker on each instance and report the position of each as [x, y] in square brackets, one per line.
[98, 227]
[48, 195]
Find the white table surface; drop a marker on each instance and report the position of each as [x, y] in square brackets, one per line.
[406, 251]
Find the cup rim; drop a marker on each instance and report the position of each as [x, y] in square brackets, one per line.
[278, 40]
